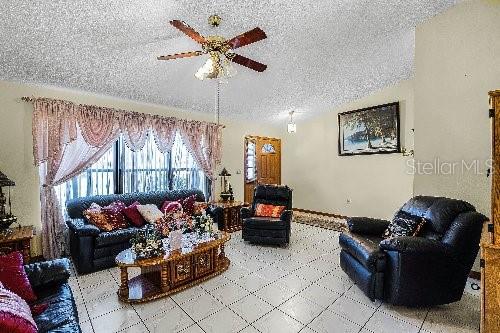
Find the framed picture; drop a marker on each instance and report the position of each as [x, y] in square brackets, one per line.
[373, 130]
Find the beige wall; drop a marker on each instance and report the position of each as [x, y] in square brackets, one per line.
[376, 185]
[457, 62]
[16, 152]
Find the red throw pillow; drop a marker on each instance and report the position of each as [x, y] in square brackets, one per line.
[15, 315]
[135, 218]
[171, 206]
[263, 210]
[114, 215]
[188, 204]
[165, 204]
[14, 278]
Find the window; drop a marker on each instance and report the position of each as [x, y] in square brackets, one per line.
[121, 170]
[250, 172]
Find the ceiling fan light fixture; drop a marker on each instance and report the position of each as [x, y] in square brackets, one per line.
[210, 70]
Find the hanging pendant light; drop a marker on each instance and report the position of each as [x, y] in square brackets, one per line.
[292, 127]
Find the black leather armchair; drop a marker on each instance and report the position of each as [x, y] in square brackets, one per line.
[49, 280]
[425, 270]
[267, 230]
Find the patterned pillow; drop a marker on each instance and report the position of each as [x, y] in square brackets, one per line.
[171, 206]
[150, 212]
[115, 216]
[15, 315]
[404, 224]
[188, 204]
[264, 210]
[14, 278]
[132, 214]
[199, 208]
[107, 218]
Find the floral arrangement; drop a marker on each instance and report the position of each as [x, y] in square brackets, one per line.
[176, 220]
[203, 223]
[147, 243]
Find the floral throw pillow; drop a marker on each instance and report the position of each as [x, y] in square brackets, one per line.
[199, 208]
[404, 224]
[107, 218]
[15, 315]
[188, 204]
[264, 210]
[150, 212]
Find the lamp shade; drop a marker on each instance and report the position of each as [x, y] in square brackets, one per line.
[4, 181]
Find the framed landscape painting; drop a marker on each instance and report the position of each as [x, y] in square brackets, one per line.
[373, 130]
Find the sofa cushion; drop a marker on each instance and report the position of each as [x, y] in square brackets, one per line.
[188, 204]
[264, 223]
[115, 237]
[404, 224]
[61, 312]
[365, 249]
[15, 315]
[132, 214]
[150, 212]
[263, 210]
[14, 277]
[106, 218]
[75, 207]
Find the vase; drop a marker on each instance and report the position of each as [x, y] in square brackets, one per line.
[175, 239]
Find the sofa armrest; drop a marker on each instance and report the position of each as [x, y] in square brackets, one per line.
[48, 272]
[79, 227]
[286, 216]
[367, 226]
[416, 245]
[246, 212]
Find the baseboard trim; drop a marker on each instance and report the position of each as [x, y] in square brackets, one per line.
[475, 275]
[319, 213]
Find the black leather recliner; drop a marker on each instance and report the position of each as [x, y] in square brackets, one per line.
[428, 269]
[268, 230]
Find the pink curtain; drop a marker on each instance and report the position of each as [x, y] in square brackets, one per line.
[68, 138]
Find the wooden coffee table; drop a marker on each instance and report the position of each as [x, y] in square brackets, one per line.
[173, 272]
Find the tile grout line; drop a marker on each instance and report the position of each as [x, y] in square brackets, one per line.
[187, 314]
[425, 318]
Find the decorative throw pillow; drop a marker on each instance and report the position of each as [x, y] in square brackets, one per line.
[150, 212]
[171, 206]
[14, 278]
[114, 215]
[199, 208]
[404, 224]
[188, 204]
[96, 216]
[132, 213]
[264, 210]
[15, 315]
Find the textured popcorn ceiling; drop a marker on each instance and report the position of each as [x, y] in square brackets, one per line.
[319, 53]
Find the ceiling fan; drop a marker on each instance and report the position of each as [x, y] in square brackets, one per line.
[219, 49]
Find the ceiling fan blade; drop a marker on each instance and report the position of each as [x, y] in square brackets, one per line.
[180, 55]
[185, 28]
[252, 64]
[246, 38]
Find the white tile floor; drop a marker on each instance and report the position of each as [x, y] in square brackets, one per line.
[300, 288]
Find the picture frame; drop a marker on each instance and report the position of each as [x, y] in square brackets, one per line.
[371, 130]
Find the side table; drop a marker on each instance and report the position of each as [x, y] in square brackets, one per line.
[230, 214]
[17, 239]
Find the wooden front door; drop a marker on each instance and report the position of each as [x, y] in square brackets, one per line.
[262, 163]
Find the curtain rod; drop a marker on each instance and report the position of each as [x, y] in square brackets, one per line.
[32, 99]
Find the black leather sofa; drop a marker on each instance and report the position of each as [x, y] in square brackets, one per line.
[267, 230]
[49, 280]
[92, 249]
[429, 269]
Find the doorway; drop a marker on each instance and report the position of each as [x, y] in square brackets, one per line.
[262, 163]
